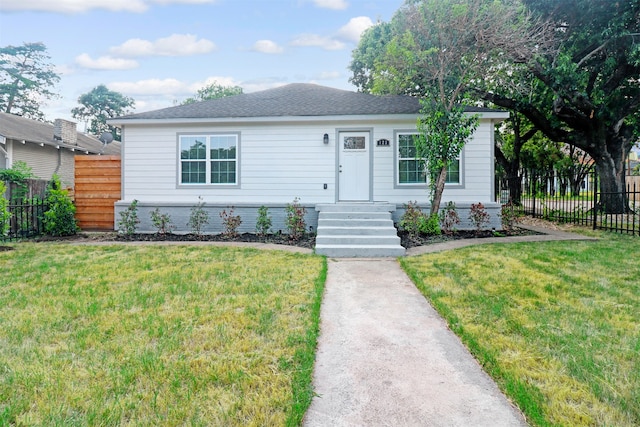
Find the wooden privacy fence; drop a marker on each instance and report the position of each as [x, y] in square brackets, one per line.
[97, 188]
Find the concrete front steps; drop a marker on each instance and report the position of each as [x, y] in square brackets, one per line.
[347, 230]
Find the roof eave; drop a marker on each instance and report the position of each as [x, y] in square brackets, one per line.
[500, 115]
[57, 145]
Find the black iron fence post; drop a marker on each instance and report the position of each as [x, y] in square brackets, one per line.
[27, 219]
[594, 208]
[533, 188]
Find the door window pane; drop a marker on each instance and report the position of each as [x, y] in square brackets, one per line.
[354, 143]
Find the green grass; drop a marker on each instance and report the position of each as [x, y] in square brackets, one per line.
[156, 335]
[557, 324]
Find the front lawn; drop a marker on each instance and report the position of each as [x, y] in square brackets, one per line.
[557, 324]
[156, 335]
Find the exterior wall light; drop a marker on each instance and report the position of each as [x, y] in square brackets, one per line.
[326, 138]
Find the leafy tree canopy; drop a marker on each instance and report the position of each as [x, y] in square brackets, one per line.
[26, 79]
[591, 83]
[99, 105]
[569, 67]
[429, 50]
[213, 91]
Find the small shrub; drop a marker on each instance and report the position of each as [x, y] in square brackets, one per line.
[162, 221]
[230, 223]
[198, 218]
[429, 225]
[263, 222]
[449, 218]
[412, 218]
[479, 216]
[129, 221]
[510, 214]
[59, 218]
[295, 219]
[5, 215]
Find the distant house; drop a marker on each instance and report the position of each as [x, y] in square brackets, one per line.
[48, 149]
[331, 149]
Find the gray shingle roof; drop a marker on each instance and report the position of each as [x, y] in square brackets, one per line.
[295, 100]
[23, 129]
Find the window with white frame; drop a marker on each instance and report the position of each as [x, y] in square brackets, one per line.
[209, 159]
[411, 169]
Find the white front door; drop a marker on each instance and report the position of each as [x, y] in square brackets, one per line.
[353, 168]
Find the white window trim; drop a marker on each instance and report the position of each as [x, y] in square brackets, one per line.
[396, 165]
[207, 160]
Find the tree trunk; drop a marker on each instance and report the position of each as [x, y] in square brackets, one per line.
[613, 199]
[437, 194]
[514, 182]
[576, 185]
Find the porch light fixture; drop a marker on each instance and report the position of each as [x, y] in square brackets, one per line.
[325, 139]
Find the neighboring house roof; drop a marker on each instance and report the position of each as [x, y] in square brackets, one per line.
[293, 100]
[28, 130]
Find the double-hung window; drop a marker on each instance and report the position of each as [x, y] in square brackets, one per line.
[411, 168]
[209, 159]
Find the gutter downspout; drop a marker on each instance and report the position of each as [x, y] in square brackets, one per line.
[55, 172]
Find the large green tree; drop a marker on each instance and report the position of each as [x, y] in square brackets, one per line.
[213, 91]
[26, 79]
[580, 61]
[99, 105]
[592, 82]
[430, 49]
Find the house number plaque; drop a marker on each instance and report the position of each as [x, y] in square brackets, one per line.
[382, 143]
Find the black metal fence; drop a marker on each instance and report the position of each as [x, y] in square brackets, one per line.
[26, 219]
[571, 199]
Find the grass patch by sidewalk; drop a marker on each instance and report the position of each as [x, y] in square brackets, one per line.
[557, 324]
[156, 335]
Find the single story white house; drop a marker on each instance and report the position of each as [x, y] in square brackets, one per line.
[321, 145]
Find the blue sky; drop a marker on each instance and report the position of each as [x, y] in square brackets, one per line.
[162, 51]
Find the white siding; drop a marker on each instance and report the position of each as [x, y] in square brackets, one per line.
[280, 161]
[477, 172]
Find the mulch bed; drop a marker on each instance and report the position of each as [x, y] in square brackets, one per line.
[308, 241]
[422, 240]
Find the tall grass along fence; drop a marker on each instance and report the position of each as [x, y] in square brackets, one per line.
[572, 199]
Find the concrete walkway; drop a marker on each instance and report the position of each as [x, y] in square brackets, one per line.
[386, 358]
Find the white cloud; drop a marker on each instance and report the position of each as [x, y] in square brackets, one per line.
[74, 6]
[326, 43]
[267, 46]
[154, 87]
[174, 45]
[64, 70]
[183, 1]
[80, 6]
[168, 87]
[105, 63]
[354, 29]
[223, 81]
[153, 94]
[350, 32]
[331, 4]
[328, 75]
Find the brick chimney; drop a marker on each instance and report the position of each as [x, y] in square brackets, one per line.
[65, 131]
